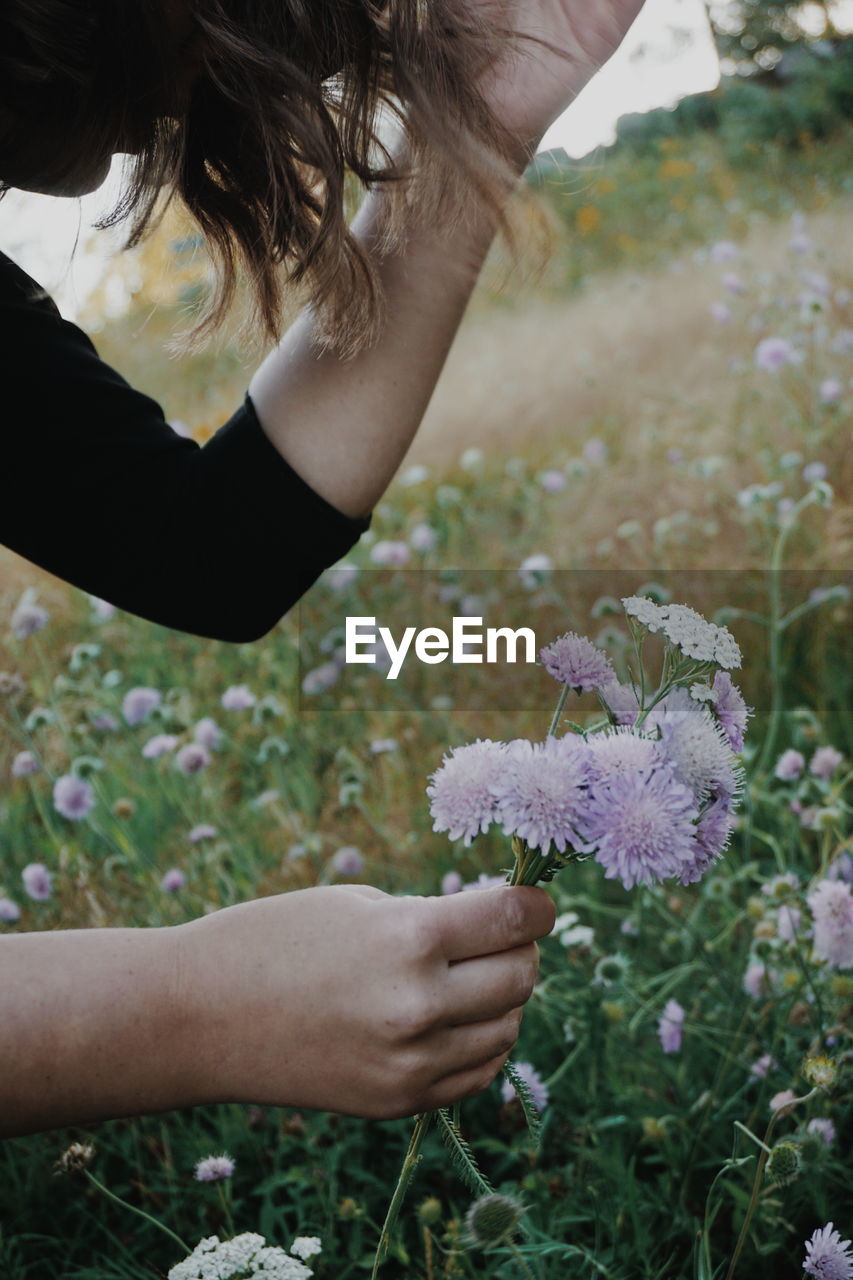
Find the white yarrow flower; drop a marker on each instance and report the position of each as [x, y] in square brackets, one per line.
[246, 1257]
[648, 613]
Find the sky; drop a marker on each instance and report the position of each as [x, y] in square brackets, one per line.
[668, 53]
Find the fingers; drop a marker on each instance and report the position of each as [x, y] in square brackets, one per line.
[463, 1084]
[464, 1048]
[483, 921]
[489, 986]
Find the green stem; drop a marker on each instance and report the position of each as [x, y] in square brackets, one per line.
[419, 1133]
[558, 710]
[133, 1209]
[519, 1257]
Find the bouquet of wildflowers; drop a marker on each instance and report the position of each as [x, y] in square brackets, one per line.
[648, 791]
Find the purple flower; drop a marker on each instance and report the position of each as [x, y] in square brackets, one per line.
[341, 576]
[73, 797]
[214, 1168]
[192, 758]
[104, 722]
[539, 794]
[238, 697]
[460, 790]
[423, 538]
[204, 831]
[321, 678]
[621, 700]
[389, 554]
[822, 1125]
[831, 390]
[788, 922]
[831, 905]
[696, 746]
[827, 1255]
[102, 610]
[824, 762]
[534, 1082]
[814, 471]
[381, 746]
[618, 751]
[451, 882]
[713, 829]
[173, 879]
[577, 662]
[553, 481]
[789, 765]
[9, 910]
[841, 867]
[781, 1100]
[730, 709]
[762, 1066]
[773, 354]
[138, 704]
[670, 1026]
[348, 861]
[159, 745]
[723, 251]
[641, 826]
[758, 980]
[37, 881]
[208, 733]
[28, 618]
[24, 764]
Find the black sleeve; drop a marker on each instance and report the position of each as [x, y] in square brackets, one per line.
[217, 540]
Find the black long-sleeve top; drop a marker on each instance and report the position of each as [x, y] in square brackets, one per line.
[218, 540]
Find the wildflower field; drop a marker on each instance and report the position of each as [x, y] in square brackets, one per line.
[671, 430]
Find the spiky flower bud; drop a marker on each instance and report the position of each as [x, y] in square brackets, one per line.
[429, 1211]
[783, 1163]
[78, 1156]
[493, 1219]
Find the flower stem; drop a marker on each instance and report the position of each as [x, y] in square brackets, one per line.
[419, 1133]
[133, 1209]
[558, 710]
[520, 1260]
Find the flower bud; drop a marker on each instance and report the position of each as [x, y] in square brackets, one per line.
[783, 1163]
[76, 1157]
[493, 1219]
[820, 1071]
[429, 1211]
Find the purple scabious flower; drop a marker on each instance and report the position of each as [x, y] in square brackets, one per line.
[238, 697]
[670, 1026]
[173, 879]
[104, 722]
[138, 704]
[823, 1126]
[621, 701]
[73, 797]
[28, 618]
[159, 745]
[773, 354]
[695, 746]
[381, 746]
[713, 830]
[617, 751]
[534, 1082]
[348, 861]
[208, 733]
[423, 538]
[762, 1066]
[192, 758]
[758, 980]
[204, 831]
[214, 1168]
[24, 764]
[38, 882]
[552, 481]
[781, 1100]
[789, 765]
[831, 905]
[321, 678]
[824, 762]
[460, 790]
[641, 826]
[451, 882]
[788, 922]
[9, 910]
[540, 792]
[730, 709]
[390, 555]
[576, 661]
[828, 1257]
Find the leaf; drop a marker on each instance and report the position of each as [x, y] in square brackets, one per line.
[528, 1106]
[463, 1156]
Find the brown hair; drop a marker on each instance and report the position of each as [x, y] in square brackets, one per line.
[259, 149]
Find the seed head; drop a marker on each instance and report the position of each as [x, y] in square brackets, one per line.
[78, 1156]
[493, 1219]
[783, 1163]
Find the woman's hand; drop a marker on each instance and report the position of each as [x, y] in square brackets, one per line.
[346, 999]
[531, 87]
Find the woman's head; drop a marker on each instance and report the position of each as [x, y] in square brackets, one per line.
[253, 112]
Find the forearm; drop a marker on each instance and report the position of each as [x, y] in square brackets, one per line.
[345, 426]
[95, 1026]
